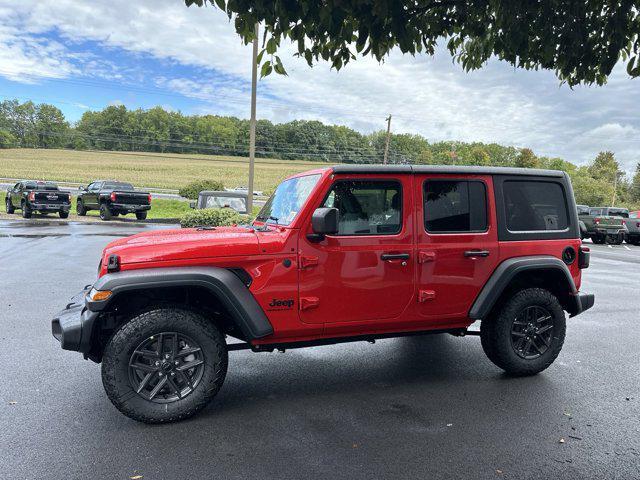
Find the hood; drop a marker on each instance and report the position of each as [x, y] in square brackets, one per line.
[184, 244]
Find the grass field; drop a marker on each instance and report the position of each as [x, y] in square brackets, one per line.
[143, 169]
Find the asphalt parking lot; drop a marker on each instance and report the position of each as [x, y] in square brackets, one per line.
[421, 407]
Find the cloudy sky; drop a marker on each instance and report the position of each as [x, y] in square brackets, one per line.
[85, 55]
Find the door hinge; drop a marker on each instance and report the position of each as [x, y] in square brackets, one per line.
[306, 262]
[424, 295]
[424, 257]
[309, 302]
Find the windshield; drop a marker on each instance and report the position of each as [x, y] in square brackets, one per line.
[285, 203]
[237, 204]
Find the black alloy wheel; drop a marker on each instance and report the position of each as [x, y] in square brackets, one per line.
[532, 332]
[166, 367]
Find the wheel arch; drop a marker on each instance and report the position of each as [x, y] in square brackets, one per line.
[222, 295]
[516, 274]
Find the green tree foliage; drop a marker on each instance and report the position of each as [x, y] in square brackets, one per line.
[192, 190]
[32, 125]
[579, 41]
[634, 188]
[7, 140]
[527, 159]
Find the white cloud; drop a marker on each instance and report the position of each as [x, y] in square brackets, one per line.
[426, 95]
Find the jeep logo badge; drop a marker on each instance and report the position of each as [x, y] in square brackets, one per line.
[277, 304]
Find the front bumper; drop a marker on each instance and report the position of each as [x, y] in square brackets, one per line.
[582, 302]
[72, 326]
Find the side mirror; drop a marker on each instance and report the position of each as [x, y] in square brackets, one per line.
[82, 189]
[324, 221]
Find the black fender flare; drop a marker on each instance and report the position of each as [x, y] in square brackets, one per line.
[507, 270]
[224, 284]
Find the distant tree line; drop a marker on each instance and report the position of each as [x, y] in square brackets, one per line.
[158, 130]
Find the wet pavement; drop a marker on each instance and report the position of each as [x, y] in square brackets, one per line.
[421, 407]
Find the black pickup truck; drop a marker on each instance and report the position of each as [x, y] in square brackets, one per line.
[44, 197]
[112, 199]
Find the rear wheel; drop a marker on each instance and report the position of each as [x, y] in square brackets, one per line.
[164, 365]
[105, 213]
[64, 214]
[26, 211]
[81, 209]
[9, 205]
[526, 334]
[598, 239]
[614, 239]
[141, 215]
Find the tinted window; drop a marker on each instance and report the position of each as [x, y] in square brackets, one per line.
[47, 186]
[367, 207]
[619, 212]
[118, 186]
[535, 206]
[595, 211]
[455, 206]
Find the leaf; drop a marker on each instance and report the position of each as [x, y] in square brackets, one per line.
[221, 5]
[266, 69]
[272, 46]
[259, 57]
[630, 66]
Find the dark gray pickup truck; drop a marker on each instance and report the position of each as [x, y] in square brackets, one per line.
[112, 199]
[30, 196]
[602, 224]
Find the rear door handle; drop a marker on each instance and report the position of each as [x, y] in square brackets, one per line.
[476, 253]
[394, 256]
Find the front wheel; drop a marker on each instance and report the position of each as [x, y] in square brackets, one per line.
[81, 209]
[9, 205]
[105, 213]
[141, 215]
[164, 365]
[526, 334]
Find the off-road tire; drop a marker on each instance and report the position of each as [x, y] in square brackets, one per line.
[495, 332]
[64, 214]
[80, 208]
[141, 215]
[598, 239]
[115, 363]
[9, 205]
[105, 213]
[26, 211]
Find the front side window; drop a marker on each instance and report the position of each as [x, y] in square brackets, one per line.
[533, 206]
[366, 207]
[285, 203]
[452, 206]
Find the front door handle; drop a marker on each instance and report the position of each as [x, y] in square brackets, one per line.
[476, 253]
[394, 256]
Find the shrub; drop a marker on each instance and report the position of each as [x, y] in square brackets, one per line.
[192, 190]
[7, 140]
[212, 217]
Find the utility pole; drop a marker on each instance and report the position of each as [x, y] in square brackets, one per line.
[386, 145]
[252, 123]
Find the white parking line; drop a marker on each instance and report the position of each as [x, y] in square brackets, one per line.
[609, 246]
[626, 247]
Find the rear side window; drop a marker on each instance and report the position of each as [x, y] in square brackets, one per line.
[367, 207]
[455, 206]
[533, 206]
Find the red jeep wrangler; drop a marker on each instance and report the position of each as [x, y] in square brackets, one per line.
[341, 254]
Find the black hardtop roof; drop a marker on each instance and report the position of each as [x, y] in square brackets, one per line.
[450, 169]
